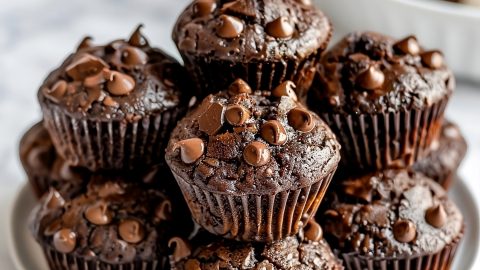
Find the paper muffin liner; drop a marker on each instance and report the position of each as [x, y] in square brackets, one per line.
[213, 76]
[441, 260]
[386, 140]
[251, 217]
[61, 261]
[113, 144]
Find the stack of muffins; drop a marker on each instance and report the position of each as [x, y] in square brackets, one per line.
[125, 157]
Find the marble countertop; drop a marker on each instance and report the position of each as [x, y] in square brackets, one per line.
[36, 35]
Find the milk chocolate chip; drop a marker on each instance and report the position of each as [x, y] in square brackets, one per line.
[84, 66]
[256, 154]
[230, 27]
[131, 231]
[99, 214]
[239, 86]
[133, 56]
[404, 231]
[287, 89]
[301, 120]
[273, 132]
[204, 7]
[163, 210]
[212, 120]
[137, 39]
[120, 84]
[280, 28]
[237, 115]
[433, 59]
[57, 91]
[409, 45]
[54, 199]
[313, 231]
[436, 216]
[190, 150]
[243, 7]
[65, 240]
[371, 79]
[181, 249]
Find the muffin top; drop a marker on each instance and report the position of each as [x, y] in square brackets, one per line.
[114, 221]
[251, 30]
[372, 73]
[240, 142]
[39, 159]
[446, 154]
[307, 253]
[391, 213]
[125, 79]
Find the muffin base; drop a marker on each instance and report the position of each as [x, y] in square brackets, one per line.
[386, 140]
[441, 260]
[259, 75]
[62, 261]
[258, 218]
[110, 144]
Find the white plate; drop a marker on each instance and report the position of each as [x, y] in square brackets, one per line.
[27, 255]
[453, 28]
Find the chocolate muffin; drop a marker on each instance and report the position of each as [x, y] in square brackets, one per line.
[113, 106]
[393, 219]
[262, 42]
[252, 165]
[113, 225]
[45, 168]
[384, 98]
[445, 157]
[293, 252]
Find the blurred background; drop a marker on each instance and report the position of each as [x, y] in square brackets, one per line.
[35, 36]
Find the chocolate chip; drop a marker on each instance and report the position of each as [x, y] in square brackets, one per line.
[120, 84]
[287, 89]
[230, 27]
[301, 119]
[163, 211]
[436, 216]
[56, 92]
[99, 214]
[131, 231]
[190, 150]
[96, 80]
[211, 121]
[109, 102]
[85, 43]
[371, 79]
[404, 231]
[137, 39]
[204, 7]
[65, 240]
[133, 56]
[54, 199]
[239, 86]
[433, 59]
[273, 132]
[280, 28]
[194, 264]
[408, 45]
[237, 115]
[256, 154]
[242, 7]
[110, 188]
[84, 66]
[181, 249]
[313, 231]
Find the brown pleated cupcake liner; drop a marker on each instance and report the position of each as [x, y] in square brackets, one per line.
[103, 145]
[61, 261]
[213, 76]
[386, 140]
[441, 260]
[259, 218]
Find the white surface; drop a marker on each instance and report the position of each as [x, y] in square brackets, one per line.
[453, 28]
[36, 35]
[26, 254]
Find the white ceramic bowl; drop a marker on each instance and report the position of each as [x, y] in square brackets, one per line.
[452, 28]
